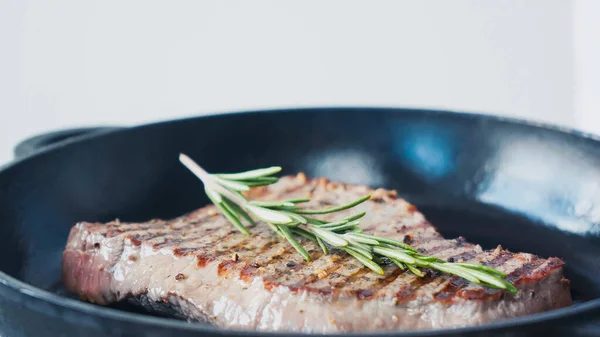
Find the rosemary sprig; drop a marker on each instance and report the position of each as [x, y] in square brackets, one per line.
[287, 219]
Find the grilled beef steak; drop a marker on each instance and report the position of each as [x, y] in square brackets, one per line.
[199, 267]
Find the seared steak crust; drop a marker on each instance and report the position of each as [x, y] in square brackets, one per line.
[203, 269]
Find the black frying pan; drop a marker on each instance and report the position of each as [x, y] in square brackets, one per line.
[495, 181]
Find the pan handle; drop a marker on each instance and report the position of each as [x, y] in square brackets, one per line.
[39, 142]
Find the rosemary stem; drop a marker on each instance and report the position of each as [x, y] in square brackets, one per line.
[288, 220]
[208, 181]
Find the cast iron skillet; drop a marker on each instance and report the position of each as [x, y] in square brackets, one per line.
[529, 187]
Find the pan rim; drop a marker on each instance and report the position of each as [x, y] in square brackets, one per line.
[80, 307]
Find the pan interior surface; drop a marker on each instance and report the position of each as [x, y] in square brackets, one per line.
[492, 181]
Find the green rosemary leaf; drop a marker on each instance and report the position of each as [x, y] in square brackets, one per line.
[428, 258]
[362, 239]
[268, 215]
[292, 240]
[422, 263]
[230, 184]
[361, 251]
[482, 268]
[252, 174]
[296, 217]
[304, 233]
[377, 260]
[493, 280]
[393, 243]
[368, 263]
[399, 264]
[333, 224]
[284, 208]
[232, 211]
[230, 216]
[238, 211]
[334, 209]
[356, 216]
[395, 254]
[343, 228]
[297, 200]
[269, 204]
[415, 270]
[358, 244]
[236, 222]
[350, 224]
[331, 238]
[315, 222]
[322, 245]
[259, 181]
[276, 229]
[455, 270]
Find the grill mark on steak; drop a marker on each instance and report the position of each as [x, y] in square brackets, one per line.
[448, 292]
[166, 241]
[139, 236]
[525, 271]
[382, 284]
[184, 251]
[330, 293]
[328, 269]
[404, 294]
[501, 259]
[249, 271]
[409, 290]
[225, 266]
[278, 269]
[204, 259]
[128, 228]
[480, 294]
[272, 254]
[177, 237]
[358, 275]
[134, 240]
[263, 249]
[194, 244]
[465, 256]
[551, 264]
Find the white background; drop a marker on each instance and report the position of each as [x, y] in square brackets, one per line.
[76, 63]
